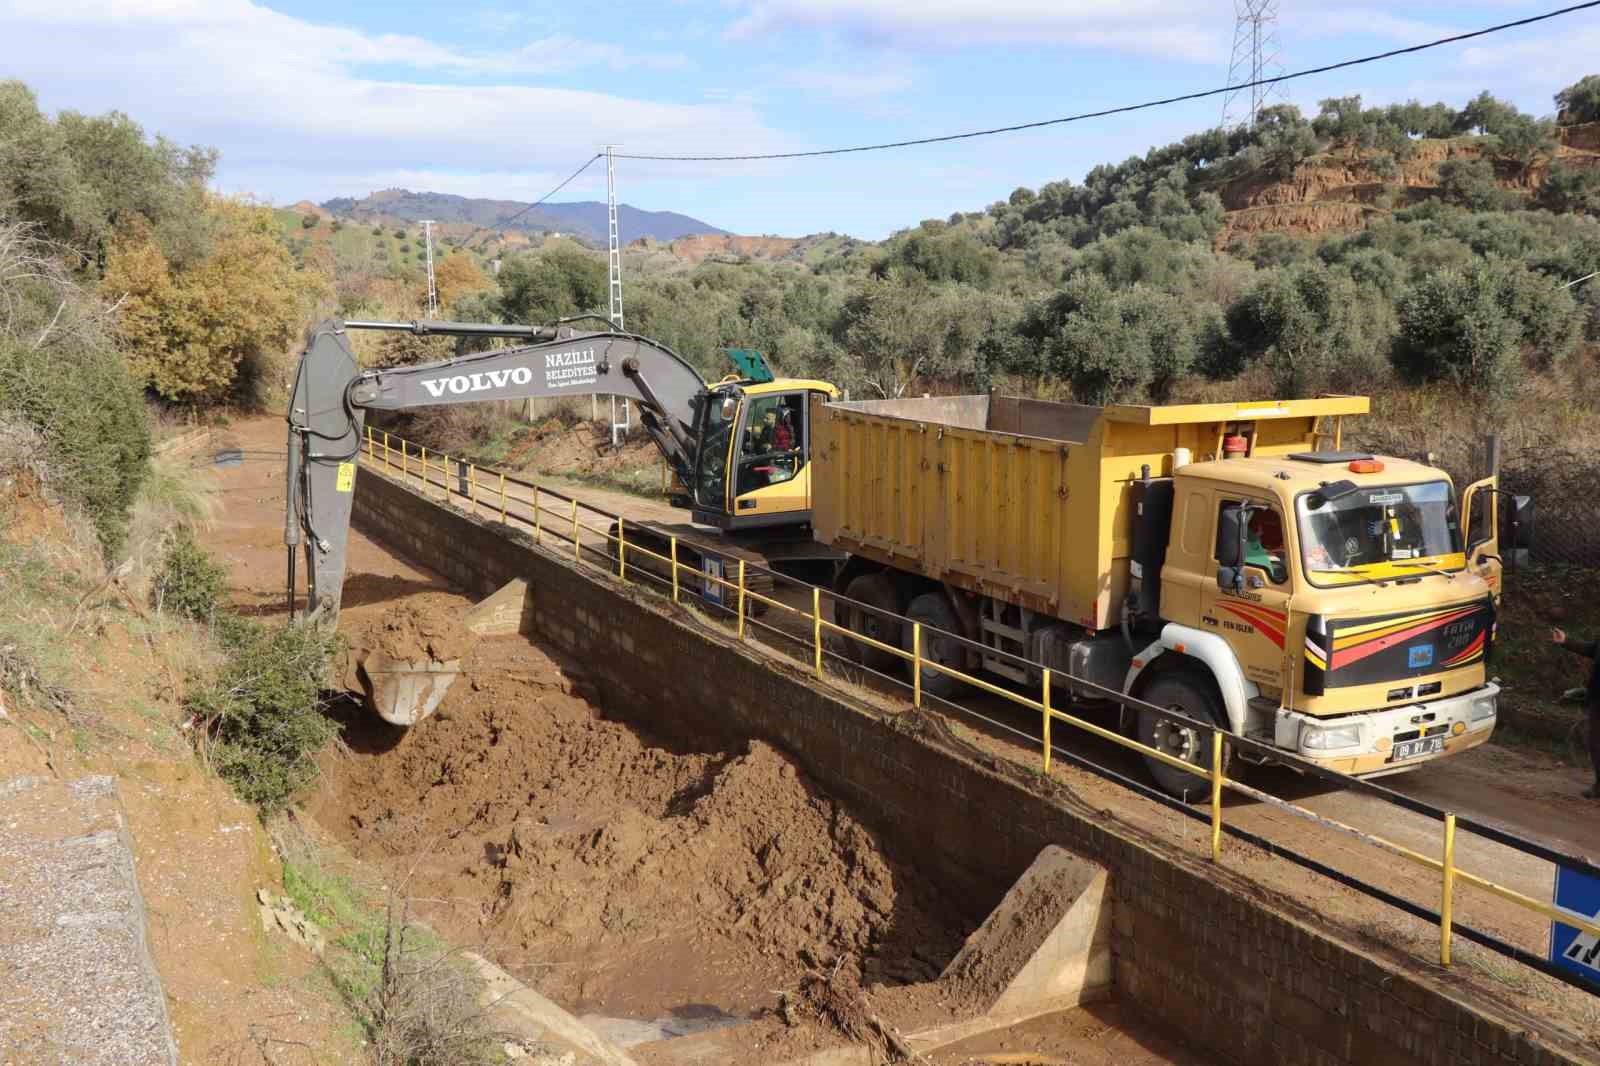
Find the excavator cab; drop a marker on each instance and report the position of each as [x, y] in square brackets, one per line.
[753, 468]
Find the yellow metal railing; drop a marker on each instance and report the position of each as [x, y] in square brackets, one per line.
[614, 535]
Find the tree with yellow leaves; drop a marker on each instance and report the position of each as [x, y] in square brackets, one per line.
[456, 275]
[187, 333]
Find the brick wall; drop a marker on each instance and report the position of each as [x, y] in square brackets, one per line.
[1246, 980]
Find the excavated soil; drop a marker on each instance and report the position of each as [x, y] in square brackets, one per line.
[423, 626]
[622, 873]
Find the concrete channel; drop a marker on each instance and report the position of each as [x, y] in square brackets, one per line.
[1200, 950]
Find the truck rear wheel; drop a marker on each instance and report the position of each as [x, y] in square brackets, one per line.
[933, 610]
[1188, 696]
[874, 590]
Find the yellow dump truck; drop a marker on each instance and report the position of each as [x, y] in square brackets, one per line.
[1229, 561]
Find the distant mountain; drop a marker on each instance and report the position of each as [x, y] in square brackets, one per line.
[584, 219]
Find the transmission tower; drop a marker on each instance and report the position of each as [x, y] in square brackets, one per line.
[618, 429]
[433, 290]
[1257, 56]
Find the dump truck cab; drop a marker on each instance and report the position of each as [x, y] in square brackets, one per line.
[1356, 595]
[753, 470]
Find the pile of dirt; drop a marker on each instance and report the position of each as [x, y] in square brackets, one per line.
[581, 450]
[425, 626]
[616, 873]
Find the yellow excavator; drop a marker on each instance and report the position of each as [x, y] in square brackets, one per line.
[739, 448]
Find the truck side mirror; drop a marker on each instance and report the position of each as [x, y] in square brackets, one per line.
[1231, 532]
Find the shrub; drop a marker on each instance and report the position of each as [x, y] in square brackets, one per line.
[1567, 188]
[189, 583]
[1454, 327]
[91, 414]
[377, 231]
[261, 720]
[308, 221]
[1115, 345]
[1472, 184]
[1312, 326]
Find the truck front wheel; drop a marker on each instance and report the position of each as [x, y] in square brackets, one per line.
[933, 610]
[1191, 697]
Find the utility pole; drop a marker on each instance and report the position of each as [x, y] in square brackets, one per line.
[1257, 56]
[614, 259]
[433, 290]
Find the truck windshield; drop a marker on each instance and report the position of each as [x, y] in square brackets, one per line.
[1379, 533]
[711, 466]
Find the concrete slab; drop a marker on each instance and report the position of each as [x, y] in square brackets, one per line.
[526, 1015]
[1046, 947]
[505, 612]
[77, 983]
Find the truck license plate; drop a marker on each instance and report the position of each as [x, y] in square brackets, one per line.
[1414, 749]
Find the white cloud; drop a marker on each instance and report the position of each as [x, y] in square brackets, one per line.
[1169, 28]
[283, 96]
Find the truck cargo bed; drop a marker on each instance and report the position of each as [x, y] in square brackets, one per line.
[1026, 501]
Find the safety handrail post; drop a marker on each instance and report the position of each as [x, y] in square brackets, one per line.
[916, 664]
[1216, 795]
[424, 473]
[1447, 889]
[1045, 699]
[405, 465]
[386, 463]
[741, 599]
[674, 550]
[622, 550]
[577, 542]
[503, 500]
[816, 628]
[538, 524]
[472, 487]
[372, 446]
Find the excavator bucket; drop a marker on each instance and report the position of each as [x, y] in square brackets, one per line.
[404, 689]
[399, 691]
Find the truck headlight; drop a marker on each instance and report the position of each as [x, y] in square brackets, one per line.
[1482, 708]
[1318, 738]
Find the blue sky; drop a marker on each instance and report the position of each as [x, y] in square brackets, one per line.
[313, 100]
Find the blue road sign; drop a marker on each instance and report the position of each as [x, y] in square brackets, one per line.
[1577, 893]
[711, 566]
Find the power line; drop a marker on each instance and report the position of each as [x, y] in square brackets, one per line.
[1456, 38]
[569, 180]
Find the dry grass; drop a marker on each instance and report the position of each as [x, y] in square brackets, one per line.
[1579, 1010]
[177, 493]
[417, 1000]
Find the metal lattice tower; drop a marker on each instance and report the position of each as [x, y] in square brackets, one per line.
[433, 290]
[614, 244]
[1257, 55]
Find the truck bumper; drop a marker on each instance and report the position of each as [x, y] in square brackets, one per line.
[1375, 743]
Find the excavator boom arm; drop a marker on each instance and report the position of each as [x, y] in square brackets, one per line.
[332, 393]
